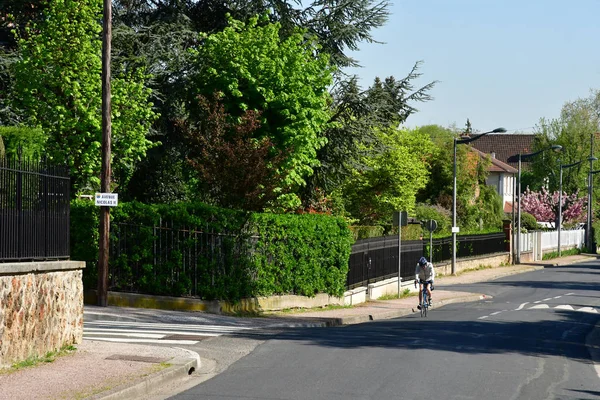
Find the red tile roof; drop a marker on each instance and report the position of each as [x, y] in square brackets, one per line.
[506, 147]
[497, 165]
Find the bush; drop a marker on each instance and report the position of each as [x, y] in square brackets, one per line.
[31, 140]
[239, 254]
[528, 222]
[366, 232]
[442, 216]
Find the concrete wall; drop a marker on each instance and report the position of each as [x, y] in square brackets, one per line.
[41, 308]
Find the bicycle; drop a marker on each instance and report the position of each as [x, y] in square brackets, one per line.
[426, 301]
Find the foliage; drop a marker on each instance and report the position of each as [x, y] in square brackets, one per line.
[528, 222]
[235, 170]
[442, 216]
[563, 253]
[366, 232]
[357, 116]
[392, 179]
[252, 68]
[58, 87]
[30, 140]
[240, 254]
[543, 205]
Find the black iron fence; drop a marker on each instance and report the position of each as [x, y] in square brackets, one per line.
[376, 259]
[34, 210]
[169, 259]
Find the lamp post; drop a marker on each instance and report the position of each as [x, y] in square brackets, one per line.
[517, 235]
[560, 198]
[588, 225]
[454, 227]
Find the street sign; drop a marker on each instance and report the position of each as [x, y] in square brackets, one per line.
[400, 218]
[455, 229]
[107, 199]
[431, 225]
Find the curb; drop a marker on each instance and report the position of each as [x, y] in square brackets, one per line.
[182, 366]
[359, 319]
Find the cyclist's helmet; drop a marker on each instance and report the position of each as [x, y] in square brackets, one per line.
[422, 261]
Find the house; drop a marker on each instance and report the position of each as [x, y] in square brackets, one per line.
[502, 177]
[504, 150]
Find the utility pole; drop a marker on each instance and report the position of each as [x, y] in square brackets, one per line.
[106, 144]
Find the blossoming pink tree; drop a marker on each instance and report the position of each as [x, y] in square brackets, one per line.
[543, 206]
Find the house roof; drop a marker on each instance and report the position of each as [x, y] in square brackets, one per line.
[497, 165]
[505, 147]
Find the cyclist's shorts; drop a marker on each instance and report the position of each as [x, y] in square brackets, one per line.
[429, 282]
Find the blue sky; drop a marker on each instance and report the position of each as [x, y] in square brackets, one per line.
[498, 62]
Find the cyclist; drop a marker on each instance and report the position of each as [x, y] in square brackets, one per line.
[424, 274]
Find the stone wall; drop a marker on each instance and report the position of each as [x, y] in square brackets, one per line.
[41, 308]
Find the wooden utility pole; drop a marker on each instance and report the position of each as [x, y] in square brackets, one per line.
[106, 143]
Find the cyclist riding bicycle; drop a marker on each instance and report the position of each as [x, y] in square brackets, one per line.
[424, 274]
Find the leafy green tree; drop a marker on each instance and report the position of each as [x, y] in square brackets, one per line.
[578, 121]
[391, 180]
[58, 87]
[282, 80]
[352, 134]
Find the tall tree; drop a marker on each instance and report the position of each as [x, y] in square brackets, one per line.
[252, 68]
[357, 116]
[392, 179]
[58, 87]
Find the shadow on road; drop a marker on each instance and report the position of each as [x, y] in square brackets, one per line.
[535, 338]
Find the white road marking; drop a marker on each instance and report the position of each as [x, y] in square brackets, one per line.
[496, 313]
[484, 317]
[521, 306]
[539, 306]
[161, 333]
[549, 298]
[588, 309]
[564, 307]
[155, 341]
[557, 297]
[139, 334]
[536, 302]
[569, 294]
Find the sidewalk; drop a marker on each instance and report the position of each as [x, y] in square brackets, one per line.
[108, 370]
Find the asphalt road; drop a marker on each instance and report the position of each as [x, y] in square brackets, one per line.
[528, 342]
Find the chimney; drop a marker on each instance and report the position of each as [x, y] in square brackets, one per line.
[493, 154]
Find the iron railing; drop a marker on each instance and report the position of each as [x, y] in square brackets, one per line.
[34, 210]
[167, 259]
[376, 259]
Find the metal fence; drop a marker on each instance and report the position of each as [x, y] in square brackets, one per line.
[376, 259]
[34, 210]
[169, 259]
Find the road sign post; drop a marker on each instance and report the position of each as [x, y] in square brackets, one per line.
[400, 220]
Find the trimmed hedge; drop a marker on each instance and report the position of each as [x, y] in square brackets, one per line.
[213, 253]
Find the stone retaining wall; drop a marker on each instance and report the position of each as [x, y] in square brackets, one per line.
[41, 308]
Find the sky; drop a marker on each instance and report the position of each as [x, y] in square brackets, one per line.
[500, 63]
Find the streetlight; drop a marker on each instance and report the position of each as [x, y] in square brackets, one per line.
[454, 227]
[555, 147]
[588, 228]
[560, 198]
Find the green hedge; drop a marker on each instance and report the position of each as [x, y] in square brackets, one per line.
[242, 254]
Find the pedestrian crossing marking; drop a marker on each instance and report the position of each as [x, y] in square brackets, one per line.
[564, 307]
[539, 306]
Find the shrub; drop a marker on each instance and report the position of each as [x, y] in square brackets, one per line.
[528, 222]
[438, 213]
[238, 254]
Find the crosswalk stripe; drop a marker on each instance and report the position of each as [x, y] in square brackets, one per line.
[153, 341]
[564, 307]
[539, 306]
[167, 326]
[128, 334]
[162, 332]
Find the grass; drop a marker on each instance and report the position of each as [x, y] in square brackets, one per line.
[404, 294]
[554, 254]
[37, 360]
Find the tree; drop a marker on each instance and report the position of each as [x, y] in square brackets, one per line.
[235, 169]
[357, 115]
[58, 87]
[282, 80]
[543, 205]
[391, 180]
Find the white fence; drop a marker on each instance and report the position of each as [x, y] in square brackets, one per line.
[542, 242]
